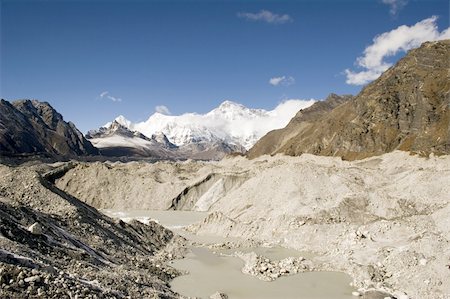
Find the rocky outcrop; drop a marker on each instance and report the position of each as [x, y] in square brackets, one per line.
[33, 127]
[407, 108]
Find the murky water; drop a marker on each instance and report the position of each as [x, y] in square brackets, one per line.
[211, 271]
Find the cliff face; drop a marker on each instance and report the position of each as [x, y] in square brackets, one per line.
[407, 108]
[33, 127]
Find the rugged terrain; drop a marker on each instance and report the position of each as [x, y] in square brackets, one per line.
[407, 108]
[383, 220]
[33, 127]
[55, 246]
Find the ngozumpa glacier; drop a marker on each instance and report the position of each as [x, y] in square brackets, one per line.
[350, 194]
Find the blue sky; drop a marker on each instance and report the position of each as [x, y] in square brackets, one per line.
[191, 55]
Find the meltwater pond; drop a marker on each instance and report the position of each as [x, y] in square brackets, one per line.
[210, 271]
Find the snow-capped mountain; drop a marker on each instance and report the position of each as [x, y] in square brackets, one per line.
[231, 123]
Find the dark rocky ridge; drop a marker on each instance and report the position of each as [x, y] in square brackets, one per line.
[33, 127]
[407, 108]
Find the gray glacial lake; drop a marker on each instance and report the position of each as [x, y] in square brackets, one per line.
[210, 271]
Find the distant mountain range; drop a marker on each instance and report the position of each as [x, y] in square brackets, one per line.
[117, 140]
[407, 108]
[229, 128]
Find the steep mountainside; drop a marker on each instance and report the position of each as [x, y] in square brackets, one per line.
[407, 108]
[275, 139]
[31, 127]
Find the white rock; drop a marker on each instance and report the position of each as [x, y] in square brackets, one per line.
[218, 295]
[422, 262]
[356, 294]
[35, 229]
[35, 278]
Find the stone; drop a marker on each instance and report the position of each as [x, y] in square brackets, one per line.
[218, 295]
[35, 229]
[35, 278]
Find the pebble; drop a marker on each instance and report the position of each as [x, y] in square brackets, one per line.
[356, 294]
[35, 278]
[218, 295]
[35, 229]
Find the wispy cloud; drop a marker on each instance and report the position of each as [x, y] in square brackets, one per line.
[389, 44]
[395, 5]
[106, 95]
[283, 80]
[162, 109]
[266, 16]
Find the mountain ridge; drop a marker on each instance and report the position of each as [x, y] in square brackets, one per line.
[406, 108]
[230, 122]
[33, 127]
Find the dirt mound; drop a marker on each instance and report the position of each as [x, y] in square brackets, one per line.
[136, 185]
[383, 220]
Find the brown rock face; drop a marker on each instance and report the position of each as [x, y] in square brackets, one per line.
[33, 127]
[276, 139]
[407, 108]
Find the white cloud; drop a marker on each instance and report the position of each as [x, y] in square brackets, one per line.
[266, 16]
[391, 43]
[395, 5]
[106, 95]
[283, 80]
[162, 109]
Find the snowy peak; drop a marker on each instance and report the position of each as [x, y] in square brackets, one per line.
[231, 111]
[120, 120]
[231, 123]
[160, 138]
[230, 105]
[115, 128]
